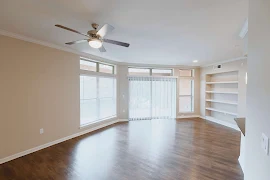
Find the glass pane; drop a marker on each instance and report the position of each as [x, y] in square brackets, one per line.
[88, 87]
[185, 104]
[107, 107]
[161, 72]
[106, 68]
[186, 73]
[107, 87]
[185, 87]
[88, 65]
[139, 71]
[88, 109]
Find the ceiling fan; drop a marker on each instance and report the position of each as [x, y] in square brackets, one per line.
[95, 37]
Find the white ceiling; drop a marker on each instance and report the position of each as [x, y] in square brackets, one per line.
[171, 32]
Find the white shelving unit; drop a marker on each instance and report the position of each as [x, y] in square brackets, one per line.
[221, 101]
[221, 92]
[224, 82]
[221, 111]
[221, 98]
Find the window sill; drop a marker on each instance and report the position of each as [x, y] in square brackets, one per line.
[96, 122]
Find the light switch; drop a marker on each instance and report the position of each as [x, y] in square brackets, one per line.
[41, 131]
[265, 143]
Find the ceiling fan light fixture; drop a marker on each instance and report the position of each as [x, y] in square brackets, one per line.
[95, 43]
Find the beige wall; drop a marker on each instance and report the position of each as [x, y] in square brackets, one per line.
[241, 67]
[258, 91]
[39, 89]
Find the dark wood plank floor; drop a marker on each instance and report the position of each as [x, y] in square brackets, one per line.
[187, 149]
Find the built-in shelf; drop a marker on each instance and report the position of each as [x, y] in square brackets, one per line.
[221, 92]
[221, 98]
[223, 82]
[221, 101]
[221, 111]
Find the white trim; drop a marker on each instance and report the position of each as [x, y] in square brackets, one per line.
[97, 122]
[188, 116]
[62, 48]
[100, 74]
[230, 125]
[202, 117]
[29, 151]
[244, 30]
[225, 61]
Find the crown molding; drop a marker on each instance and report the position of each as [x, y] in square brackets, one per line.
[244, 30]
[51, 45]
[226, 61]
[157, 65]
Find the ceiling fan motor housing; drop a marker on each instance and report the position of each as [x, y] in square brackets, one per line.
[93, 34]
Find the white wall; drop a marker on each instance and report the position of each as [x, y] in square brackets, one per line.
[258, 91]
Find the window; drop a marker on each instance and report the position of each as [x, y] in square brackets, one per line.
[186, 95]
[161, 72]
[139, 71]
[106, 68]
[186, 73]
[97, 98]
[152, 98]
[89, 65]
[149, 72]
[186, 90]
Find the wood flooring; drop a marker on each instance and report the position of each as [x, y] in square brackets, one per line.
[181, 149]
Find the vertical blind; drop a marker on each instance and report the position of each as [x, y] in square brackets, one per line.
[97, 98]
[152, 98]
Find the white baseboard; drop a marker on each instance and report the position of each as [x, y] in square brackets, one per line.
[241, 162]
[29, 151]
[202, 117]
[233, 126]
[188, 116]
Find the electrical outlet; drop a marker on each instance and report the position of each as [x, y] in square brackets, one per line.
[265, 143]
[41, 131]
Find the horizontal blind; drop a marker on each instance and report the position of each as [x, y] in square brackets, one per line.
[97, 98]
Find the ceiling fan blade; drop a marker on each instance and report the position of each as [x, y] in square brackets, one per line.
[102, 49]
[105, 30]
[77, 42]
[72, 30]
[116, 42]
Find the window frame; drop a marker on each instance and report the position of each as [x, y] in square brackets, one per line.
[98, 98]
[192, 79]
[99, 75]
[150, 70]
[97, 66]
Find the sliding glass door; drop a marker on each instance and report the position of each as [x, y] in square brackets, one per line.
[152, 98]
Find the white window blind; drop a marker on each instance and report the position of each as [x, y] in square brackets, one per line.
[97, 98]
[152, 98]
